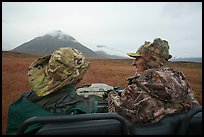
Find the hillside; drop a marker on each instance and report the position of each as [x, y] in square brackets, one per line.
[48, 43]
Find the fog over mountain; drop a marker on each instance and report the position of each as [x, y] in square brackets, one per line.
[48, 43]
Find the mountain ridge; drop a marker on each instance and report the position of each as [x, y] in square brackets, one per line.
[48, 43]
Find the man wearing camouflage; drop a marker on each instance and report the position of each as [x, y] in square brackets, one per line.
[53, 79]
[155, 90]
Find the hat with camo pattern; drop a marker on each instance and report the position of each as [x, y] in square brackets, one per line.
[159, 47]
[50, 73]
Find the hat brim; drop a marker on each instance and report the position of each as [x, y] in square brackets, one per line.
[134, 55]
[37, 75]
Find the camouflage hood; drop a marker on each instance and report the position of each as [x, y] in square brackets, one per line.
[50, 73]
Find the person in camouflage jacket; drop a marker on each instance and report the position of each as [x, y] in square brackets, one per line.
[53, 79]
[155, 90]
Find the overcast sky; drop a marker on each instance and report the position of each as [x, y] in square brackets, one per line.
[115, 27]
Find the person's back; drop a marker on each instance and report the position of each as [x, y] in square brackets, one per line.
[53, 79]
[155, 90]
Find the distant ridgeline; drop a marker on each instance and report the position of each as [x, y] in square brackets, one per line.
[199, 60]
[48, 43]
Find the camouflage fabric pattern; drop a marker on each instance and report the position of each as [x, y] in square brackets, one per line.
[159, 48]
[155, 54]
[50, 73]
[153, 94]
[154, 62]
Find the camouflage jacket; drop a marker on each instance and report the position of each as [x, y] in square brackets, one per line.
[152, 94]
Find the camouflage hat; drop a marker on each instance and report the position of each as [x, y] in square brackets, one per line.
[159, 48]
[50, 73]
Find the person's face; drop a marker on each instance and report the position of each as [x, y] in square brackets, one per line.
[139, 65]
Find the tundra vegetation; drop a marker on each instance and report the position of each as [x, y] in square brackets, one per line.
[113, 72]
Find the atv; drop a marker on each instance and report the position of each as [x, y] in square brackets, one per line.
[181, 123]
[99, 90]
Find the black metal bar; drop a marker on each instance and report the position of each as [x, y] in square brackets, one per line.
[73, 118]
[187, 119]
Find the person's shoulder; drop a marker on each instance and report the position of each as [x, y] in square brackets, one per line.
[162, 72]
[167, 70]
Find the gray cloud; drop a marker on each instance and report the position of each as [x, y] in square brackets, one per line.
[182, 9]
[122, 26]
